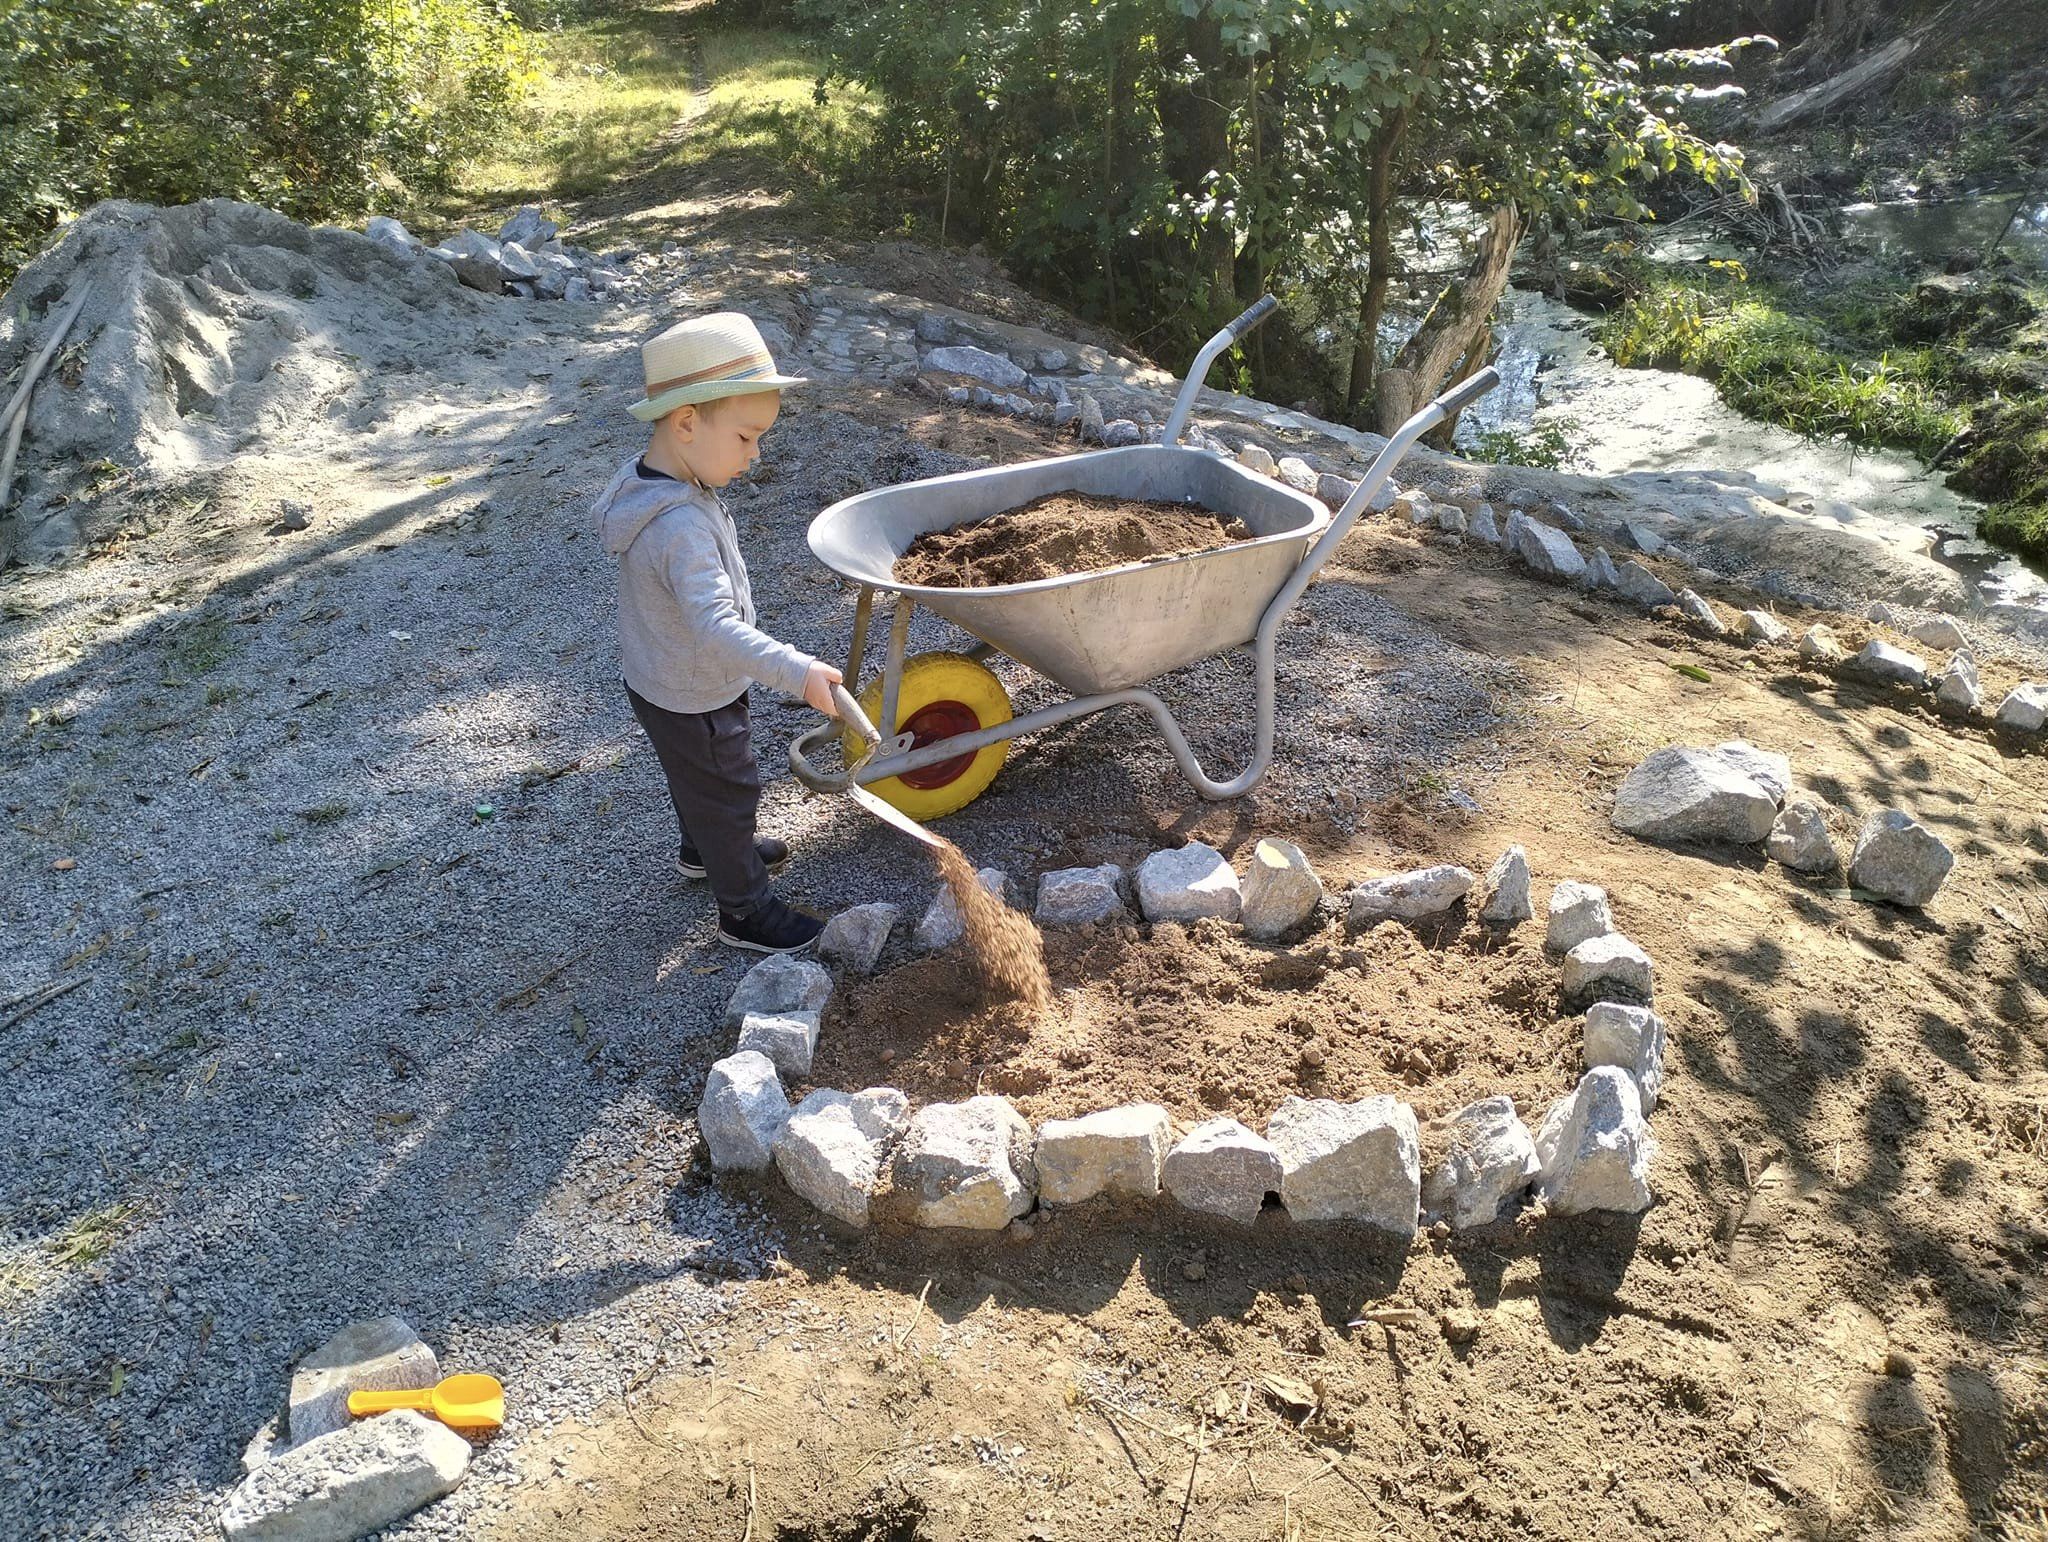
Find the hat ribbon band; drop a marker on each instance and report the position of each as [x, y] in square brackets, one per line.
[757, 364]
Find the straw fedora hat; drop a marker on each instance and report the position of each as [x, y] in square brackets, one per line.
[702, 359]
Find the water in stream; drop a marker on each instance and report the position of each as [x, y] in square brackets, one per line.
[1622, 420]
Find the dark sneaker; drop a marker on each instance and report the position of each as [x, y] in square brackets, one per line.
[774, 928]
[774, 856]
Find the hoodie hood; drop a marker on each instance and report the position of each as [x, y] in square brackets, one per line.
[631, 502]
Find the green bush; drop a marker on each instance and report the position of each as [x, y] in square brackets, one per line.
[314, 107]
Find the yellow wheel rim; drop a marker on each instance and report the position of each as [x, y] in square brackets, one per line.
[942, 694]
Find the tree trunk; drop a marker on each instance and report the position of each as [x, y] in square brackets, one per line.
[1195, 120]
[1379, 258]
[1457, 330]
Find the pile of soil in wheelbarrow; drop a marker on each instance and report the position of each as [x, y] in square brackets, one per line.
[1059, 534]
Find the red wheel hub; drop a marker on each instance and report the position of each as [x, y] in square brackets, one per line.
[930, 724]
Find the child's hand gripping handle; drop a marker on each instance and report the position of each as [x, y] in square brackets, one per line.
[848, 711]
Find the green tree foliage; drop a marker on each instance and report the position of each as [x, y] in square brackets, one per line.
[311, 106]
[1163, 161]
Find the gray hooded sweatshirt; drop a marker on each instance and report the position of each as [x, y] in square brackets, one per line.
[687, 636]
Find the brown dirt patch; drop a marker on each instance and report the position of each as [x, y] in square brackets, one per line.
[1062, 533]
[1202, 1021]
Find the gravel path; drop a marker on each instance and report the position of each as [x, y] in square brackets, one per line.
[391, 1001]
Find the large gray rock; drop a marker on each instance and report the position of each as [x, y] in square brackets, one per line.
[1635, 582]
[1281, 890]
[1116, 1151]
[779, 984]
[1425, 891]
[965, 359]
[1221, 1168]
[1298, 474]
[1768, 769]
[1899, 859]
[830, 1154]
[348, 1484]
[1604, 967]
[1451, 519]
[516, 262]
[1885, 662]
[1595, 1147]
[966, 1165]
[1631, 1037]
[1701, 613]
[1799, 837]
[742, 1112]
[529, 227]
[1578, 913]
[1489, 1159]
[1349, 1161]
[1256, 457]
[1600, 573]
[2025, 709]
[380, 1355]
[382, 227]
[474, 259]
[1507, 889]
[1544, 548]
[1960, 691]
[788, 1039]
[1939, 632]
[1481, 527]
[1334, 490]
[1079, 896]
[1686, 794]
[942, 925]
[1761, 626]
[855, 938]
[1188, 883]
[1820, 645]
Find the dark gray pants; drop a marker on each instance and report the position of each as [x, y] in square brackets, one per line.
[715, 783]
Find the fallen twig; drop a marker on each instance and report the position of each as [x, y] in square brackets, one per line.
[916, 1311]
[1122, 1439]
[527, 995]
[748, 1534]
[1188, 1497]
[39, 998]
[16, 415]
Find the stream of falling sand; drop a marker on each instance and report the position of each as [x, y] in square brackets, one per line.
[1004, 942]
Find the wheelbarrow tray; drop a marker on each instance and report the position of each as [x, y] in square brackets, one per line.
[1106, 629]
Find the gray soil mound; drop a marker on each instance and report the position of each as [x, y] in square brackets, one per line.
[1062, 533]
[209, 329]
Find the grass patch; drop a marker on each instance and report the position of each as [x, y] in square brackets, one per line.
[200, 645]
[324, 813]
[619, 102]
[90, 1237]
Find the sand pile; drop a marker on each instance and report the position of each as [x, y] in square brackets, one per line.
[1062, 533]
[210, 329]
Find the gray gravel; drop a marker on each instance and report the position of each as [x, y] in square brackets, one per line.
[348, 1046]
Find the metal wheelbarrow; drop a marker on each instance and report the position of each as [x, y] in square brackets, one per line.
[944, 718]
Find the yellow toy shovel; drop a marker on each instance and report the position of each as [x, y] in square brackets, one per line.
[467, 1402]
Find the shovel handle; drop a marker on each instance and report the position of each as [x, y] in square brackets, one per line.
[361, 1403]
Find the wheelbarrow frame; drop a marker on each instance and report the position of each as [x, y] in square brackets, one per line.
[893, 756]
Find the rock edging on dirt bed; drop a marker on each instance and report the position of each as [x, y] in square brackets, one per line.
[978, 1165]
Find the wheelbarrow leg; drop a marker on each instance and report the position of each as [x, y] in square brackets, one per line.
[863, 613]
[892, 668]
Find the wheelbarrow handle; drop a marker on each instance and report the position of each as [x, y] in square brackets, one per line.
[1177, 420]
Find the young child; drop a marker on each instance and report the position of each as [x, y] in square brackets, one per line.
[686, 613]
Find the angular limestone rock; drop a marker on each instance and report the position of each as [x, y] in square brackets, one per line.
[1630, 1037]
[1885, 662]
[1481, 527]
[978, 364]
[380, 1355]
[1939, 632]
[788, 1039]
[1507, 889]
[942, 926]
[1544, 548]
[1334, 490]
[1349, 1161]
[1221, 1168]
[1761, 626]
[1799, 838]
[1489, 1159]
[1638, 583]
[349, 1483]
[1116, 1151]
[1256, 457]
[1899, 859]
[1595, 1147]
[1600, 573]
[2025, 709]
[1960, 691]
[1820, 645]
[1188, 883]
[1298, 474]
[966, 1165]
[829, 1158]
[529, 227]
[779, 984]
[1604, 967]
[742, 1113]
[1768, 769]
[1685, 794]
[1424, 891]
[1701, 613]
[1451, 519]
[1079, 896]
[855, 938]
[1280, 890]
[1578, 913]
